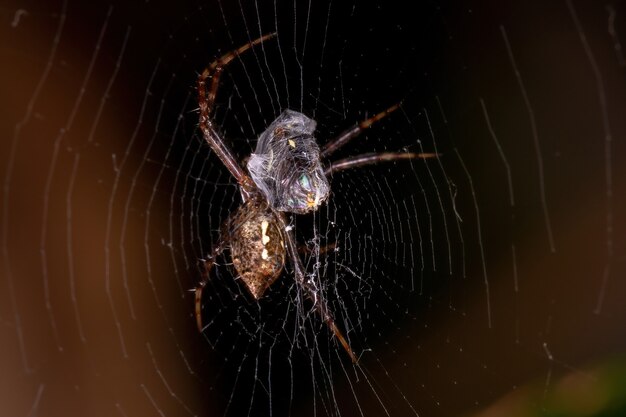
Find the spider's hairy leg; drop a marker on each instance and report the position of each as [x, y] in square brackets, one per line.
[323, 250]
[312, 292]
[349, 134]
[205, 103]
[215, 69]
[207, 265]
[372, 159]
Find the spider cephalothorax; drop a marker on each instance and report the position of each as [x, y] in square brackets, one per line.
[286, 175]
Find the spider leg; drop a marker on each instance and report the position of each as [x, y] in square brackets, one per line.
[207, 265]
[206, 101]
[349, 134]
[311, 289]
[215, 69]
[371, 159]
[322, 250]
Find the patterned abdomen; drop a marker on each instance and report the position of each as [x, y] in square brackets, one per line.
[257, 247]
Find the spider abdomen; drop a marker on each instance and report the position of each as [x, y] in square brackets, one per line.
[257, 247]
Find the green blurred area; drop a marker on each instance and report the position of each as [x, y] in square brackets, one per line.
[598, 391]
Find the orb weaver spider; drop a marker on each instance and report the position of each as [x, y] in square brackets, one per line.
[285, 175]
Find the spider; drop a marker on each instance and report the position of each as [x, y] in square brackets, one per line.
[284, 175]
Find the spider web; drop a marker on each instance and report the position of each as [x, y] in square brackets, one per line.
[480, 282]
